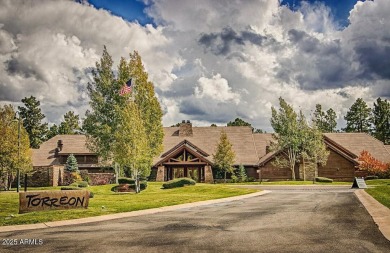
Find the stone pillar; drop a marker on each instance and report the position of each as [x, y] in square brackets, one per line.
[160, 174]
[208, 174]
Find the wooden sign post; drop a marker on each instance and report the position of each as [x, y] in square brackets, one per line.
[52, 200]
[359, 183]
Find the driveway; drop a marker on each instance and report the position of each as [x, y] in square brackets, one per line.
[297, 220]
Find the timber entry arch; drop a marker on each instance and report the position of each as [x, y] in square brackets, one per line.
[185, 160]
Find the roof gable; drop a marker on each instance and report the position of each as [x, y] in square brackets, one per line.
[189, 149]
[355, 143]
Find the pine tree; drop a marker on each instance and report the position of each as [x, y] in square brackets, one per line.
[70, 125]
[325, 121]
[53, 131]
[381, 120]
[331, 120]
[32, 118]
[358, 117]
[71, 164]
[224, 155]
[101, 122]
[241, 173]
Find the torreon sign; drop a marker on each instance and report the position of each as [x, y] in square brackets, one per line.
[52, 200]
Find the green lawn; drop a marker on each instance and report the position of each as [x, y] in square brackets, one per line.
[107, 202]
[380, 190]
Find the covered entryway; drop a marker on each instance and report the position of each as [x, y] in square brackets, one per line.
[185, 160]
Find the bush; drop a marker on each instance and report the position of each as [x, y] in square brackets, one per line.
[323, 180]
[250, 179]
[126, 180]
[129, 187]
[82, 184]
[179, 182]
[69, 188]
[371, 177]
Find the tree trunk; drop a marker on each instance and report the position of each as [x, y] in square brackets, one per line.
[225, 177]
[304, 169]
[116, 167]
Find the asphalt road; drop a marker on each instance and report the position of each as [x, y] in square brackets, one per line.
[294, 220]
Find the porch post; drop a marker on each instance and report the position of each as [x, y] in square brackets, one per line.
[208, 174]
[160, 174]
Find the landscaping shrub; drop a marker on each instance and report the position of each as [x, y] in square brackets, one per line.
[323, 180]
[371, 177]
[250, 179]
[126, 180]
[82, 184]
[129, 187]
[179, 182]
[69, 188]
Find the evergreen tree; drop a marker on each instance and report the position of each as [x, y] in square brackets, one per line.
[358, 117]
[381, 120]
[131, 145]
[320, 118]
[101, 122]
[325, 121]
[70, 125]
[238, 122]
[224, 155]
[32, 118]
[241, 173]
[71, 164]
[331, 120]
[15, 152]
[53, 131]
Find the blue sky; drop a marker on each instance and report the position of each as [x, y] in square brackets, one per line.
[132, 10]
[211, 61]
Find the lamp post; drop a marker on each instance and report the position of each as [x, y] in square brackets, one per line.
[18, 168]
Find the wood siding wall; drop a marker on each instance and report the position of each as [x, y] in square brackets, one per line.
[271, 172]
[338, 168]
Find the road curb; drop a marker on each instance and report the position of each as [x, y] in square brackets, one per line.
[127, 214]
[379, 212]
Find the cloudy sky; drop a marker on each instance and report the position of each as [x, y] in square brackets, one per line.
[210, 61]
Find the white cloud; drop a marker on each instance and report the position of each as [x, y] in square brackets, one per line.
[216, 88]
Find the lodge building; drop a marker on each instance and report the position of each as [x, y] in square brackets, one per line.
[188, 152]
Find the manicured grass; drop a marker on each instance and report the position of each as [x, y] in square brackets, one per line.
[380, 190]
[381, 193]
[378, 182]
[106, 202]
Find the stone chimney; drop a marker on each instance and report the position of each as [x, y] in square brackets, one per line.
[185, 129]
[60, 145]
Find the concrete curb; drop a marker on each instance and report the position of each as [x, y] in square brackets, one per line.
[127, 214]
[379, 212]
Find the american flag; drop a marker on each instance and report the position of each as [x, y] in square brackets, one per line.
[126, 88]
